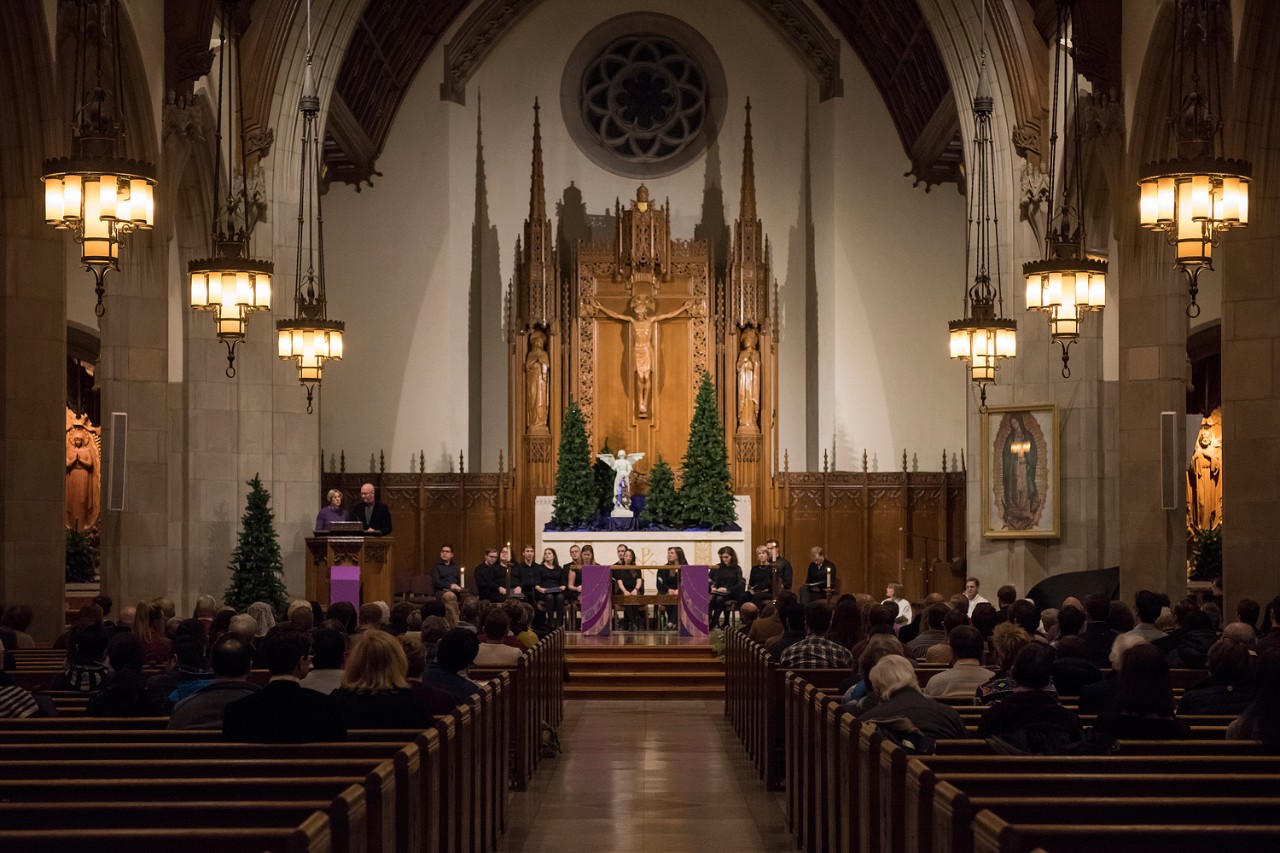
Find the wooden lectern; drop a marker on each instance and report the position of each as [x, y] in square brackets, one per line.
[371, 553]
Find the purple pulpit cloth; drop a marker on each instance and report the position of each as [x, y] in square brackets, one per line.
[597, 601]
[695, 600]
[344, 585]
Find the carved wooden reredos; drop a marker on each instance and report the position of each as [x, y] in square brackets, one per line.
[630, 335]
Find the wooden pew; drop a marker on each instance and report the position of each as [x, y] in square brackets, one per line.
[992, 834]
[311, 836]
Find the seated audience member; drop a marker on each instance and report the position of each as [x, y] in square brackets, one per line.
[125, 620]
[860, 697]
[967, 673]
[283, 712]
[1121, 618]
[85, 670]
[1008, 642]
[815, 651]
[328, 656]
[124, 693]
[985, 618]
[1005, 597]
[89, 614]
[231, 658]
[375, 690]
[469, 615]
[186, 672]
[1214, 612]
[413, 622]
[1072, 673]
[1030, 719]
[522, 626]
[206, 608]
[933, 633]
[1261, 720]
[1243, 633]
[494, 652]
[1098, 634]
[793, 629]
[104, 604]
[1228, 689]
[880, 621]
[148, 626]
[1070, 621]
[768, 626]
[222, 623]
[399, 622]
[370, 618]
[17, 618]
[907, 633]
[893, 681]
[894, 597]
[16, 702]
[454, 655]
[1143, 705]
[344, 612]
[1098, 698]
[433, 629]
[1026, 614]
[245, 627]
[748, 613]
[434, 700]
[1188, 647]
[1247, 611]
[301, 616]
[1049, 624]
[846, 623]
[942, 653]
[1147, 603]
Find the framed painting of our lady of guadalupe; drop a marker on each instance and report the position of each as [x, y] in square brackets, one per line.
[1020, 472]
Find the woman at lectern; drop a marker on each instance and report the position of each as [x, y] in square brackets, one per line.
[669, 583]
[726, 585]
[629, 582]
[332, 511]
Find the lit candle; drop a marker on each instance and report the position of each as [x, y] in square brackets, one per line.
[464, 578]
[828, 577]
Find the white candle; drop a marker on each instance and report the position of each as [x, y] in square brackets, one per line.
[828, 577]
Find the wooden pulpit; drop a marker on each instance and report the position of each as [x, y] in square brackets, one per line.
[373, 554]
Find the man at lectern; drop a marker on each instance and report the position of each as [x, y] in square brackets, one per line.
[375, 517]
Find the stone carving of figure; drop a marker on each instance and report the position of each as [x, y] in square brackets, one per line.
[749, 382]
[1019, 460]
[623, 464]
[1204, 481]
[537, 370]
[642, 342]
[82, 478]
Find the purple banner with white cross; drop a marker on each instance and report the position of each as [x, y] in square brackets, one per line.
[597, 601]
[695, 600]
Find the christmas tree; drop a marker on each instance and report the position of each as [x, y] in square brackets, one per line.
[603, 473]
[706, 499]
[661, 506]
[256, 568]
[575, 503]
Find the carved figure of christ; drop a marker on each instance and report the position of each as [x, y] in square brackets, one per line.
[642, 342]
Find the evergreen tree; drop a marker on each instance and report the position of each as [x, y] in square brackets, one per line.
[661, 506]
[706, 499]
[256, 568]
[575, 503]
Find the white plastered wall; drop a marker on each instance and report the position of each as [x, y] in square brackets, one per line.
[399, 253]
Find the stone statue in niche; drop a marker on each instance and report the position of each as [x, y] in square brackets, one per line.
[622, 466]
[642, 342]
[1204, 480]
[537, 371]
[84, 473]
[749, 383]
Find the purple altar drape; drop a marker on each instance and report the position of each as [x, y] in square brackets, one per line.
[695, 600]
[597, 601]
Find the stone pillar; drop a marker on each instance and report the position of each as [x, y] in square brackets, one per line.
[1153, 359]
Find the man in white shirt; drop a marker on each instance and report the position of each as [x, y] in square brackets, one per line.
[1147, 603]
[971, 592]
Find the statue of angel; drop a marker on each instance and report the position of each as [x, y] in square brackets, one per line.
[622, 467]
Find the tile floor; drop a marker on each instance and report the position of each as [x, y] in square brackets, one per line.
[654, 776]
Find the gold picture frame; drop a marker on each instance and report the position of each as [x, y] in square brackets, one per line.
[1021, 494]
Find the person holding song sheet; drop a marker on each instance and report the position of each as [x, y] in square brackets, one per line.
[726, 586]
[549, 585]
[760, 582]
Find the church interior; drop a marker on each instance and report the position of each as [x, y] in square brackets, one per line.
[985, 289]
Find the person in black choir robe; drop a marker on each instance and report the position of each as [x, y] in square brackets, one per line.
[726, 585]
[550, 584]
[446, 575]
[628, 582]
[781, 564]
[284, 711]
[760, 582]
[491, 578]
[815, 579]
[524, 576]
[375, 516]
[669, 584]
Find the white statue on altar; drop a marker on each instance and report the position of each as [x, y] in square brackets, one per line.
[622, 466]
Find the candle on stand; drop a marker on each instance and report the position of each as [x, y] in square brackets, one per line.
[828, 577]
[463, 583]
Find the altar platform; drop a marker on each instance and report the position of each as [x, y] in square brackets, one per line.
[642, 665]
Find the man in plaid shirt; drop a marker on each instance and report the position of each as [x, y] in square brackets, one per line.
[815, 651]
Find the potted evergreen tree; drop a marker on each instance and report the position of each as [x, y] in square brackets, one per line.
[256, 567]
[661, 504]
[575, 501]
[706, 498]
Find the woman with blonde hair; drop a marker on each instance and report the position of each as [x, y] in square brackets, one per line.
[148, 626]
[331, 511]
[1007, 640]
[375, 690]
